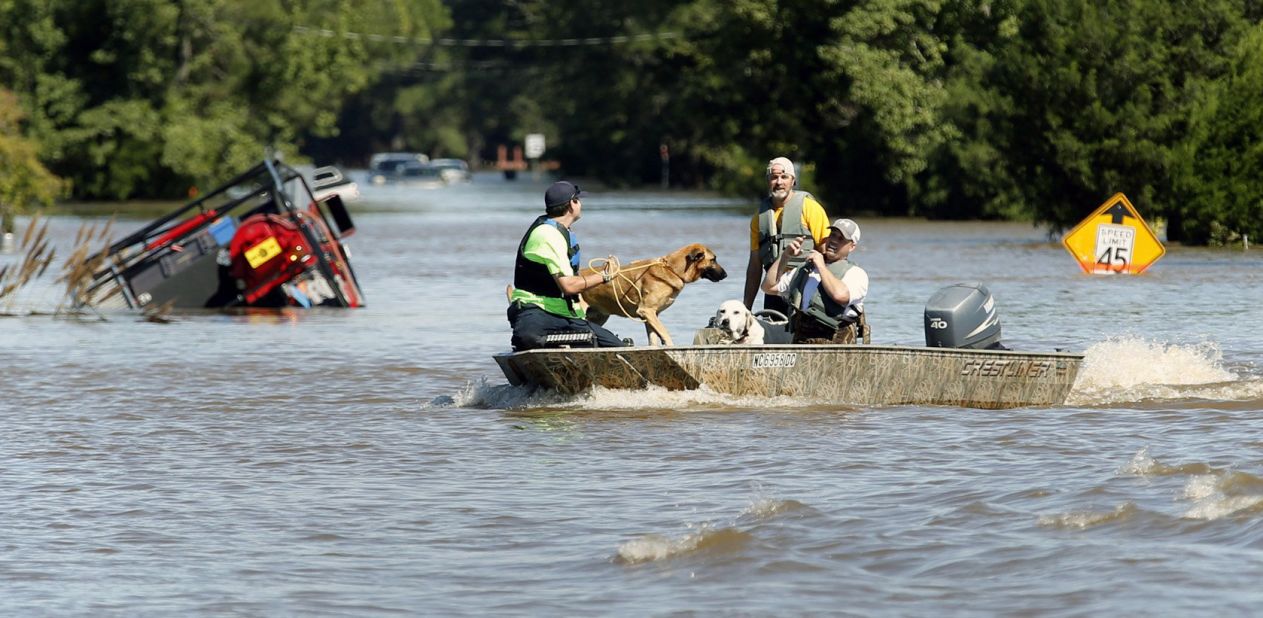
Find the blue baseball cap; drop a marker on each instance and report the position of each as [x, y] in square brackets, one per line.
[562, 192]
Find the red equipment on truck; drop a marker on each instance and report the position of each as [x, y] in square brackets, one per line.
[260, 240]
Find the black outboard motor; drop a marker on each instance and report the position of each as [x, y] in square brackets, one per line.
[962, 316]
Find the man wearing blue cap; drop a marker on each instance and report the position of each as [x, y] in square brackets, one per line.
[546, 280]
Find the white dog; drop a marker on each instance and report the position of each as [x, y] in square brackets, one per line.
[738, 323]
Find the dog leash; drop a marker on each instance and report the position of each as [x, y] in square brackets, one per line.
[617, 271]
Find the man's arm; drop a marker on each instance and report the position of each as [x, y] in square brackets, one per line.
[778, 267]
[547, 247]
[830, 284]
[754, 273]
[576, 284]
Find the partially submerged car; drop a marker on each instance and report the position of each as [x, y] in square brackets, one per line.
[452, 170]
[390, 167]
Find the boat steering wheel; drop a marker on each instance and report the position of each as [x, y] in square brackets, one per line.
[772, 316]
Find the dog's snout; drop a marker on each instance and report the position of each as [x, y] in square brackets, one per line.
[715, 273]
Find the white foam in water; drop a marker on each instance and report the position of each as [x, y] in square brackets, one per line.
[1201, 487]
[1087, 519]
[1209, 493]
[705, 537]
[1133, 369]
[1211, 500]
[648, 548]
[483, 394]
[1214, 493]
[1141, 464]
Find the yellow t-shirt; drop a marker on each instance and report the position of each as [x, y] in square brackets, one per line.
[814, 218]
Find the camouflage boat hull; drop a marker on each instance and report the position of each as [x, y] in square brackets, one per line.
[850, 374]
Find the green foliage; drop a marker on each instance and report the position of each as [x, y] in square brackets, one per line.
[1220, 165]
[1015, 109]
[142, 98]
[24, 182]
[1085, 99]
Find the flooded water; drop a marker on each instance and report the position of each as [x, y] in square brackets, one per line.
[375, 462]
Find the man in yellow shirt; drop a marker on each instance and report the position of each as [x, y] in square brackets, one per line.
[771, 230]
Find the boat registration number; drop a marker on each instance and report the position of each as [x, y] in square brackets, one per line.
[775, 359]
[263, 252]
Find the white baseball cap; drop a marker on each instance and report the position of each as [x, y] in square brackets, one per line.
[785, 164]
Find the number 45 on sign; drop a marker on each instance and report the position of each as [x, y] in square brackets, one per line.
[1114, 240]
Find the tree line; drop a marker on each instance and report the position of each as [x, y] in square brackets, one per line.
[1031, 110]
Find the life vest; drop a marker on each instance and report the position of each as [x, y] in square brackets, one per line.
[822, 307]
[772, 242]
[533, 276]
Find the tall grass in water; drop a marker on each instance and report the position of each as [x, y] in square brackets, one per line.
[37, 255]
[77, 270]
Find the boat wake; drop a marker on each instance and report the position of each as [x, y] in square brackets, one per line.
[485, 395]
[1208, 493]
[1133, 369]
[704, 538]
[708, 538]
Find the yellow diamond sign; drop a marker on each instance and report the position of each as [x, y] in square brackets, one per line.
[1114, 240]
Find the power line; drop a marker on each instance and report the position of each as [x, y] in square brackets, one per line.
[498, 43]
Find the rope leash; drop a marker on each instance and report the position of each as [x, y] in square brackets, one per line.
[616, 272]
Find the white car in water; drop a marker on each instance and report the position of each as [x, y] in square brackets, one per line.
[385, 167]
[452, 170]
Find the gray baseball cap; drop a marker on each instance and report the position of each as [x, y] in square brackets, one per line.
[850, 230]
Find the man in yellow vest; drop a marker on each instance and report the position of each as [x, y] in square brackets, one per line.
[784, 215]
[827, 292]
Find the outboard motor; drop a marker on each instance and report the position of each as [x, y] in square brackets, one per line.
[962, 316]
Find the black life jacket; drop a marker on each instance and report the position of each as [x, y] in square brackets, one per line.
[533, 276]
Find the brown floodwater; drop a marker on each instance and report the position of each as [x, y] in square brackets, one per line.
[374, 461]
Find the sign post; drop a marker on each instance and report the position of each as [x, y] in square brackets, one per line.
[1114, 240]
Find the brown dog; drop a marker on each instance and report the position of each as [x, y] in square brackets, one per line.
[645, 288]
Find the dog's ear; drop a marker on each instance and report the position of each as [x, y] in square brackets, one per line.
[696, 255]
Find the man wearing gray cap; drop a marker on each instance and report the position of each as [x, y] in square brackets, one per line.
[826, 293]
[784, 215]
[544, 298]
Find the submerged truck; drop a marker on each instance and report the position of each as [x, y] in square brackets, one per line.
[262, 239]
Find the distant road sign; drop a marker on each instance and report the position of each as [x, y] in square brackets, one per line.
[1114, 240]
[534, 145]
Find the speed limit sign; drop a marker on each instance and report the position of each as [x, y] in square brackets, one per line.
[1114, 240]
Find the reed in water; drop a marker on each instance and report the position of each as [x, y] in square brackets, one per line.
[38, 255]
